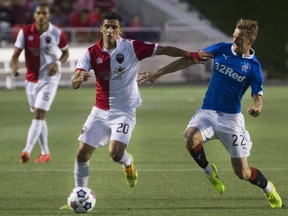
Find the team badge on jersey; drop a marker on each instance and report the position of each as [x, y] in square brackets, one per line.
[117, 73]
[120, 58]
[48, 39]
[245, 67]
[99, 60]
[30, 38]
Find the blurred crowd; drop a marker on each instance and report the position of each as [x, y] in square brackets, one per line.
[64, 13]
[83, 13]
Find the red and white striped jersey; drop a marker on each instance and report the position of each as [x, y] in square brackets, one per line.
[41, 50]
[116, 72]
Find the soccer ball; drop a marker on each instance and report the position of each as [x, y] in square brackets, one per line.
[81, 200]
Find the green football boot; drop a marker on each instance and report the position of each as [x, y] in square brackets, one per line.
[215, 180]
[131, 173]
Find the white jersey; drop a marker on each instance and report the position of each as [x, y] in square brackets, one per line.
[41, 50]
[116, 72]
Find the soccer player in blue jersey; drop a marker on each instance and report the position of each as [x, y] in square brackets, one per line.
[235, 69]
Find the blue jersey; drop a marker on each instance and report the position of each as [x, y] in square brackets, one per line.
[231, 77]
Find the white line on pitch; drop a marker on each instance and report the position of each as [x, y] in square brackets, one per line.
[117, 170]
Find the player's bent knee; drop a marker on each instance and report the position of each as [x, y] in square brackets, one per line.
[116, 150]
[192, 137]
[241, 174]
[191, 142]
[115, 155]
[39, 114]
[84, 154]
[82, 158]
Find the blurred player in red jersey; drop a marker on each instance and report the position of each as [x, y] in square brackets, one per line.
[46, 48]
[115, 62]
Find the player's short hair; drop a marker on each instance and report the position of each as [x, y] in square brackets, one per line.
[112, 16]
[43, 4]
[251, 26]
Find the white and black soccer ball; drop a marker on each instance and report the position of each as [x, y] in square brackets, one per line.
[81, 200]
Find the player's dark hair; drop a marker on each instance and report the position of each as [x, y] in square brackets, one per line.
[43, 4]
[112, 16]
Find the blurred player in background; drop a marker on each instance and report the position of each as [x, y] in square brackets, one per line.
[115, 62]
[42, 42]
[236, 68]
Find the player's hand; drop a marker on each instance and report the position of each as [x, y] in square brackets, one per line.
[52, 69]
[149, 76]
[79, 77]
[15, 71]
[254, 111]
[201, 57]
[83, 76]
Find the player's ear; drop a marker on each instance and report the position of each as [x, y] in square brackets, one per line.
[251, 41]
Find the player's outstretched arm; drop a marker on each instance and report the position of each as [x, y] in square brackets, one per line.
[176, 52]
[79, 77]
[152, 76]
[177, 65]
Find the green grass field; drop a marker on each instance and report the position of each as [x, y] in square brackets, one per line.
[170, 183]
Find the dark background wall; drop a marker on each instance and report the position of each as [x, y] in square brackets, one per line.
[272, 17]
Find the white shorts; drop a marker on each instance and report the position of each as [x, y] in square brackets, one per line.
[228, 128]
[41, 95]
[103, 126]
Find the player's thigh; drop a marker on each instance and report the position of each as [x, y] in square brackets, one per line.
[30, 89]
[238, 144]
[45, 95]
[232, 133]
[96, 131]
[122, 125]
[203, 122]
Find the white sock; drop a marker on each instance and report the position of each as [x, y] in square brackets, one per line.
[81, 174]
[208, 170]
[268, 188]
[125, 160]
[33, 134]
[43, 139]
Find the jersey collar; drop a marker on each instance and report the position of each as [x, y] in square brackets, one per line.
[249, 56]
[100, 44]
[33, 27]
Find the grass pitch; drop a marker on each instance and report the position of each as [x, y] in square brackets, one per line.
[170, 183]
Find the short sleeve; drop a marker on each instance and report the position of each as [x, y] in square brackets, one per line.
[144, 49]
[84, 62]
[20, 40]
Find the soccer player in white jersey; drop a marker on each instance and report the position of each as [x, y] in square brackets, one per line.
[115, 62]
[43, 43]
[235, 69]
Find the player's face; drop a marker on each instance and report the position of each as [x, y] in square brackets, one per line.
[241, 42]
[42, 15]
[111, 30]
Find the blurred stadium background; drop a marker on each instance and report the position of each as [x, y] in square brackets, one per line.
[189, 24]
[170, 184]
